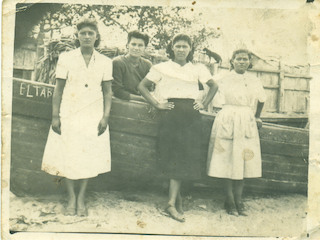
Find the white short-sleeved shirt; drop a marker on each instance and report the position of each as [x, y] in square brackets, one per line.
[71, 63]
[83, 83]
[241, 89]
[175, 81]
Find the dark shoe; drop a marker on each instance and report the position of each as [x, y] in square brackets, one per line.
[174, 214]
[230, 208]
[241, 209]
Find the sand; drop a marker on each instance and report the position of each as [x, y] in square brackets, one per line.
[131, 211]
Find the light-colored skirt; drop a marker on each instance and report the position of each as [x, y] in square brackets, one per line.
[234, 147]
[78, 153]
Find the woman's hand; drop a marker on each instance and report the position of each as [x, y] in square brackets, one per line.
[165, 106]
[259, 122]
[198, 106]
[56, 125]
[103, 124]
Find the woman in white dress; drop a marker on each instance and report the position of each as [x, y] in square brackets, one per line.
[234, 147]
[78, 145]
[177, 93]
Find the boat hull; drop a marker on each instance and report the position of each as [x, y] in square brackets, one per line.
[133, 133]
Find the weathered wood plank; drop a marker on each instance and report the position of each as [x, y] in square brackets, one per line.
[275, 186]
[297, 83]
[140, 111]
[285, 149]
[285, 164]
[257, 185]
[295, 101]
[135, 152]
[284, 134]
[284, 176]
[23, 181]
[133, 126]
[142, 141]
[31, 182]
[295, 162]
[38, 110]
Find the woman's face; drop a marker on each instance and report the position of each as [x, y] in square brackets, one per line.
[181, 50]
[87, 37]
[241, 62]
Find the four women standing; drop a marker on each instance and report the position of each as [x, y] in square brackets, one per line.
[78, 146]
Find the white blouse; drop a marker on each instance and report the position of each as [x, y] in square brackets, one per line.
[175, 81]
[241, 89]
[83, 83]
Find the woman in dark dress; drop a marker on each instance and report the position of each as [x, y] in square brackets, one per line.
[177, 97]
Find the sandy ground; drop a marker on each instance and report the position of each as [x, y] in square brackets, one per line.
[141, 212]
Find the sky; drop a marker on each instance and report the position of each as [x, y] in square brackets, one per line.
[267, 32]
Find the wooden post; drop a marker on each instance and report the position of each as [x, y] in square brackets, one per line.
[281, 89]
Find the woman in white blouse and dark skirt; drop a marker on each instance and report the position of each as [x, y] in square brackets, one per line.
[177, 93]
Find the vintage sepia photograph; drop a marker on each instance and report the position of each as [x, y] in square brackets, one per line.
[178, 119]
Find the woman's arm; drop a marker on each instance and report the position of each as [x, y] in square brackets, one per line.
[107, 99]
[56, 102]
[136, 98]
[143, 87]
[258, 113]
[259, 109]
[213, 88]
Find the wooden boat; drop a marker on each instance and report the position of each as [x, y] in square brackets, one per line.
[133, 132]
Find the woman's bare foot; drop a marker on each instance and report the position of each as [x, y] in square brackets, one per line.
[230, 207]
[242, 211]
[70, 210]
[81, 207]
[171, 210]
[82, 212]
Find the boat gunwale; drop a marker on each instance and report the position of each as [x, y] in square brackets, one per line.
[203, 113]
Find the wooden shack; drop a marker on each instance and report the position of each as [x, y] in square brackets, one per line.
[287, 88]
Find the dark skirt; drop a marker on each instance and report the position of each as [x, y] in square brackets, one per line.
[179, 141]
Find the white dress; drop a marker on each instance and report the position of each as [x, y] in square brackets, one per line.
[79, 152]
[234, 147]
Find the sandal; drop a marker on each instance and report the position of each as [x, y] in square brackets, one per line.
[230, 208]
[174, 214]
[70, 211]
[82, 212]
[241, 209]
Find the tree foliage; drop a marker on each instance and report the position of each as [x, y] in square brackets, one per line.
[160, 23]
[43, 22]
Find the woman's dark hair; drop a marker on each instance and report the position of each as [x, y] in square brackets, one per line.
[234, 54]
[88, 22]
[139, 35]
[180, 37]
